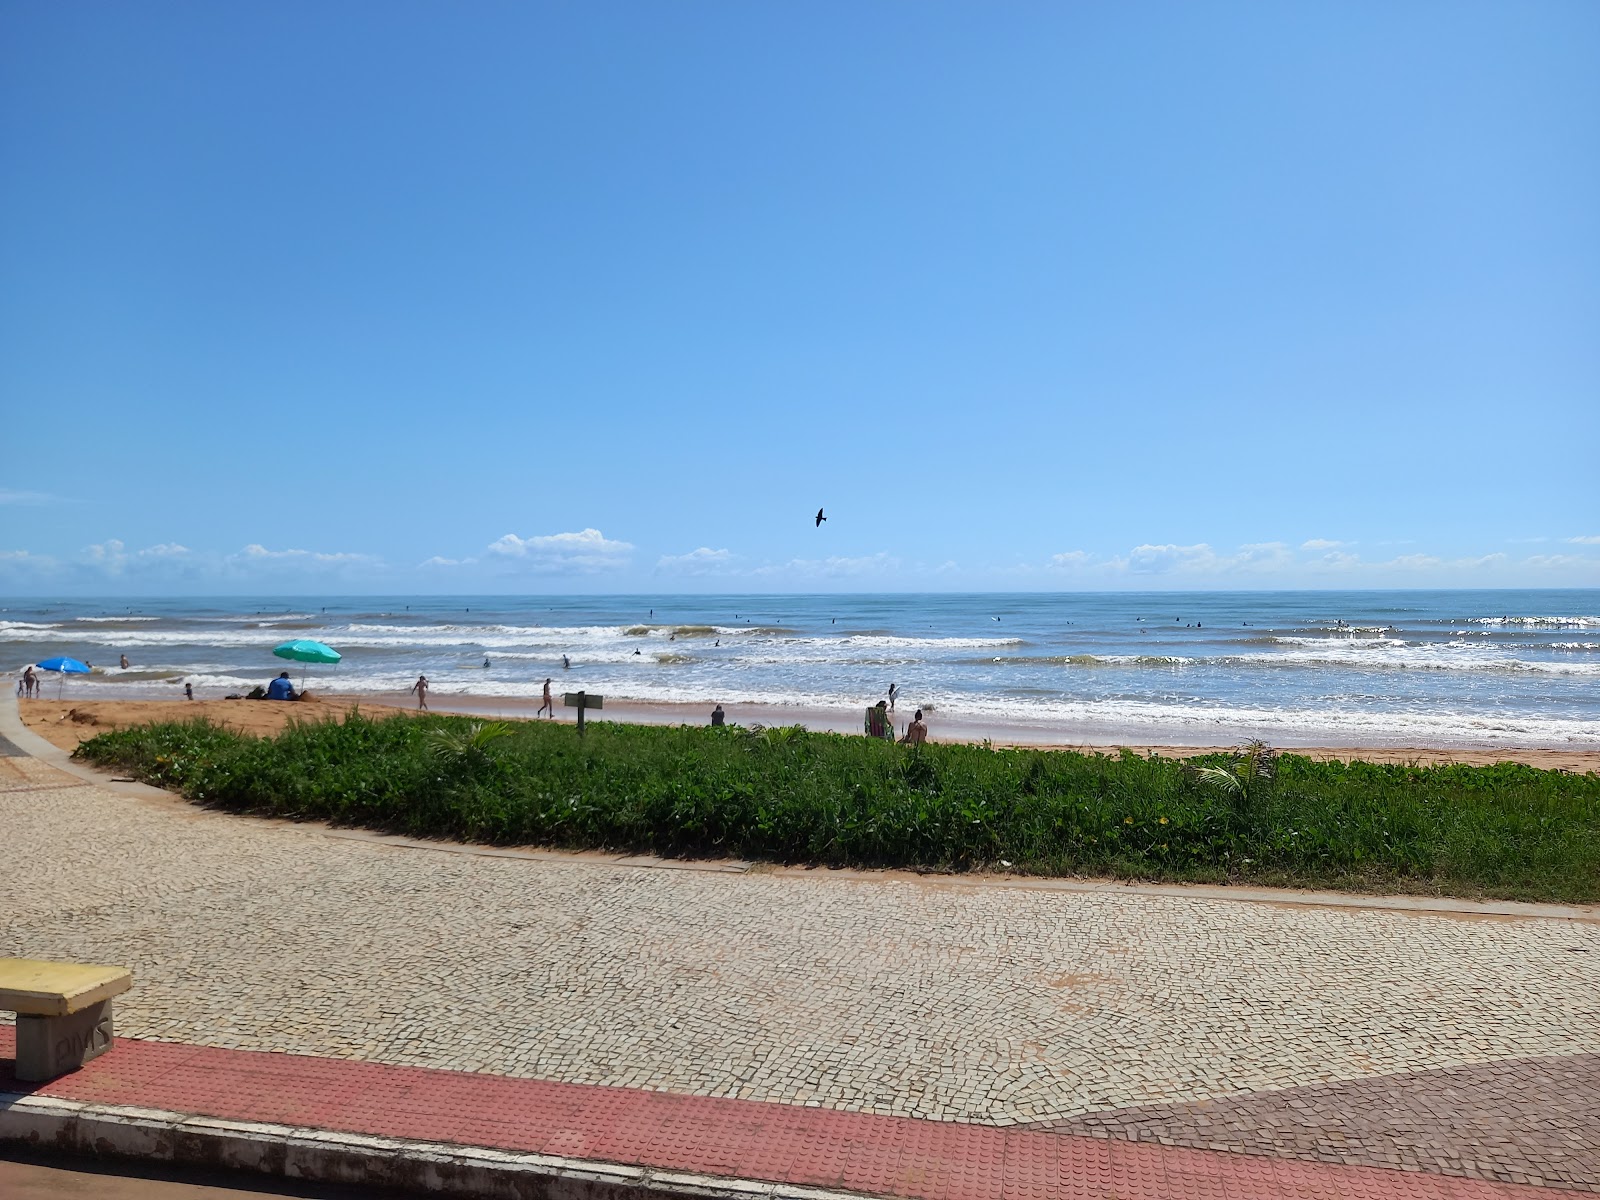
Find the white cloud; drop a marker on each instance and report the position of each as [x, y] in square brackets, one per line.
[14, 496]
[259, 554]
[1588, 539]
[1338, 559]
[834, 568]
[1201, 559]
[1320, 544]
[440, 561]
[583, 551]
[701, 561]
[109, 553]
[1070, 558]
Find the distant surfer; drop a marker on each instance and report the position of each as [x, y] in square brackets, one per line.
[486, 664]
[124, 662]
[566, 663]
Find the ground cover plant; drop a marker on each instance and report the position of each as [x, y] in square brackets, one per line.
[788, 795]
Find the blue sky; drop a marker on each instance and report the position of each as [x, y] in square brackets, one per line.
[608, 297]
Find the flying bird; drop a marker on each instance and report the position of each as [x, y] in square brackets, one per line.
[820, 518]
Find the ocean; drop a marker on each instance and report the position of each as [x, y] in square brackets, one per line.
[1353, 668]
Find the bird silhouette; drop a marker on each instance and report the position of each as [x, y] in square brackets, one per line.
[820, 518]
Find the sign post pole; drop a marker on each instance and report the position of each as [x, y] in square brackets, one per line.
[581, 701]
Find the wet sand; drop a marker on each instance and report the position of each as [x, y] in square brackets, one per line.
[55, 720]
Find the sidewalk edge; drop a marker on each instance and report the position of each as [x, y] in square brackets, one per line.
[292, 1152]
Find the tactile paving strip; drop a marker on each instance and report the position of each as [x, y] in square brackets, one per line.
[877, 1155]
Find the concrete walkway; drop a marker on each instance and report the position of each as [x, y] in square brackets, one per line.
[1449, 1045]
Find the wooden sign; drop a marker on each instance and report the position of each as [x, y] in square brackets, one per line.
[581, 701]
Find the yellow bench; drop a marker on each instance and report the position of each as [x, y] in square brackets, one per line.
[63, 1012]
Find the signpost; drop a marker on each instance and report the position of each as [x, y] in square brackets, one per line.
[581, 701]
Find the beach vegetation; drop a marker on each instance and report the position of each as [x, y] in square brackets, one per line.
[788, 795]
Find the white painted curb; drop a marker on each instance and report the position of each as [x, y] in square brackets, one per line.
[436, 1168]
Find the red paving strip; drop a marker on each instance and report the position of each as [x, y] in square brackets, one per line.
[860, 1152]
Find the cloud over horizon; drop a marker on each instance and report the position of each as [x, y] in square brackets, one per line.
[584, 551]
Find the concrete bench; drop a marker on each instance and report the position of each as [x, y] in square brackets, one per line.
[63, 1012]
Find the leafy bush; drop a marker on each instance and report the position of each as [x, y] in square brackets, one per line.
[789, 795]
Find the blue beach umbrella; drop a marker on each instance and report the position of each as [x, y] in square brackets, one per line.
[63, 666]
[304, 650]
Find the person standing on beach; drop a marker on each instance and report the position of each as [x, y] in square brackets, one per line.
[30, 680]
[894, 690]
[548, 702]
[188, 691]
[420, 687]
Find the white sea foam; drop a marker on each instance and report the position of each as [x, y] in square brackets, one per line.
[1542, 622]
[27, 631]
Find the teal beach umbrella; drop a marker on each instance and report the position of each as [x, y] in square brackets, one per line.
[304, 650]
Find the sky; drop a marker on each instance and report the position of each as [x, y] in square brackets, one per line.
[609, 297]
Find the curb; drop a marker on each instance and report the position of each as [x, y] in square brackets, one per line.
[292, 1152]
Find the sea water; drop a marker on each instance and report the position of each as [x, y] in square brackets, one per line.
[1450, 668]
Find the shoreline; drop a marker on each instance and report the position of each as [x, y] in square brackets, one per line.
[51, 719]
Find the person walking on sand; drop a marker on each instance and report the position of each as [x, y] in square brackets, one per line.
[548, 702]
[894, 690]
[916, 732]
[31, 681]
[420, 687]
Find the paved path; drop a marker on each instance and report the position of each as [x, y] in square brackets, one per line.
[843, 1152]
[1433, 1042]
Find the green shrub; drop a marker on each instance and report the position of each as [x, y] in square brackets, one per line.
[789, 795]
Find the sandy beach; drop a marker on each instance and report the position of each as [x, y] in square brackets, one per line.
[66, 723]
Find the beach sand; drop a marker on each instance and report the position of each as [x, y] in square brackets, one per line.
[65, 723]
[55, 720]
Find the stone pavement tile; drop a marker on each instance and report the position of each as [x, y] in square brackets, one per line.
[1513, 1120]
[887, 996]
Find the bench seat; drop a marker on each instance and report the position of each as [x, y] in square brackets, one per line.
[63, 1012]
[53, 989]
